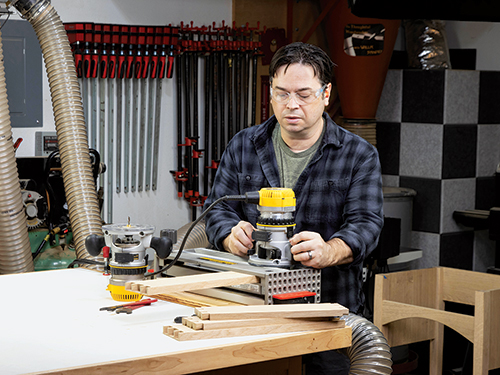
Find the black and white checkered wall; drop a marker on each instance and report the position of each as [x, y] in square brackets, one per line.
[438, 132]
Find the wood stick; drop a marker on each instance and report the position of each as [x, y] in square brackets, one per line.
[191, 282]
[182, 333]
[193, 300]
[194, 322]
[268, 311]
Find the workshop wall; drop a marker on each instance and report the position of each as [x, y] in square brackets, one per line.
[438, 133]
[164, 209]
[161, 208]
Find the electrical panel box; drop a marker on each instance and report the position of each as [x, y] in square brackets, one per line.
[23, 73]
[45, 143]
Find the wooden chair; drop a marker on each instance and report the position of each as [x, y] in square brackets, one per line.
[409, 307]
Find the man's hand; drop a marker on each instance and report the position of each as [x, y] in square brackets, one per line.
[311, 250]
[240, 239]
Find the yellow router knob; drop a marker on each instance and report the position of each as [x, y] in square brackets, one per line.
[277, 197]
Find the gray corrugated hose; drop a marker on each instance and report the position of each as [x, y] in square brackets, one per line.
[197, 237]
[79, 184]
[15, 248]
[369, 352]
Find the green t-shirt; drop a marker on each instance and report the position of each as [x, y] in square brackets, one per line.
[291, 164]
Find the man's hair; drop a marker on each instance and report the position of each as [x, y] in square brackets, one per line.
[305, 54]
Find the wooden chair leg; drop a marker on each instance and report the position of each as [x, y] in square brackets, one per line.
[436, 351]
[482, 333]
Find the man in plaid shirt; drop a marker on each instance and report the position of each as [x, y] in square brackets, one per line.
[335, 175]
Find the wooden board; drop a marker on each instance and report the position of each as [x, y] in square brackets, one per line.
[224, 355]
[269, 311]
[193, 300]
[192, 282]
[194, 322]
[181, 333]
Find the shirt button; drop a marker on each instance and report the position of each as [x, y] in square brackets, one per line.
[248, 178]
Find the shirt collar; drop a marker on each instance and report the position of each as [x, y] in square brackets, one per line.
[333, 133]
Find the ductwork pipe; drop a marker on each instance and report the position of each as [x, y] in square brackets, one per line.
[71, 132]
[369, 352]
[15, 249]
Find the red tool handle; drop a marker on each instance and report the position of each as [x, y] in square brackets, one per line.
[79, 64]
[121, 66]
[160, 66]
[112, 66]
[103, 66]
[145, 66]
[138, 66]
[170, 65]
[86, 66]
[130, 66]
[94, 64]
[154, 66]
[18, 143]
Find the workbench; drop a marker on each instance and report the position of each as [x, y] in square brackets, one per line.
[51, 323]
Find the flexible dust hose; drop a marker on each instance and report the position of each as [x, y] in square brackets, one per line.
[15, 248]
[72, 138]
[369, 352]
[197, 237]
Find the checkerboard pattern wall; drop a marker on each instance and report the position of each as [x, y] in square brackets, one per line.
[438, 132]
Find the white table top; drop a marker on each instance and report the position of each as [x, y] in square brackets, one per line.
[51, 320]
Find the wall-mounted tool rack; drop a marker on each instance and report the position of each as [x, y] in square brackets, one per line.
[216, 66]
[121, 69]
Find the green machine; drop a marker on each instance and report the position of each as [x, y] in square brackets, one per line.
[53, 250]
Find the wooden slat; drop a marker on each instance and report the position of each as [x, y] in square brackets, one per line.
[463, 324]
[182, 333]
[269, 311]
[193, 300]
[194, 322]
[494, 344]
[191, 282]
[461, 285]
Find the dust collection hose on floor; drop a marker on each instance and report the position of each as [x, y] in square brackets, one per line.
[369, 352]
[72, 138]
[15, 249]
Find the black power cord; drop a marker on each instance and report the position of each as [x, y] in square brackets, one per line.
[250, 197]
[85, 261]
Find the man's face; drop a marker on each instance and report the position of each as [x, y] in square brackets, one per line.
[299, 121]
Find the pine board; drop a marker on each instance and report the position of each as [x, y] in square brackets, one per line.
[268, 311]
[193, 299]
[191, 282]
[194, 322]
[182, 333]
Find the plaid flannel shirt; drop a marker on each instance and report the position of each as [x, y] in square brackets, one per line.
[339, 194]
